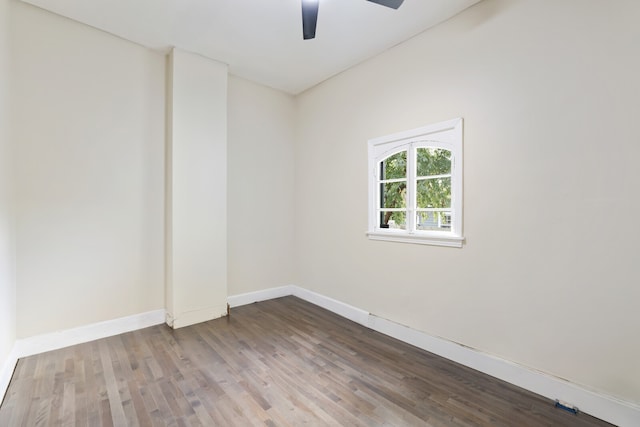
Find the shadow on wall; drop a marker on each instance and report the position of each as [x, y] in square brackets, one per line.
[488, 9]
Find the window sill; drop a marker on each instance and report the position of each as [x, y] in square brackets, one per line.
[433, 239]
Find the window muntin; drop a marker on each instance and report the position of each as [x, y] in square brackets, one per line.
[416, 185]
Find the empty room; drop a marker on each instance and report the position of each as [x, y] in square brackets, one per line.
[319, 212]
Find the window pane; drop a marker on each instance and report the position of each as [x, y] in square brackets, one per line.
[395, 220]
[393, 195]
[434, 193]
[433, 221]
[394, 166]
[433, 161]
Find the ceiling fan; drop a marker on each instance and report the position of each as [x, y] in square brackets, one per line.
[310, 14]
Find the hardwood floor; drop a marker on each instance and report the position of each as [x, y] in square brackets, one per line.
[282, 362]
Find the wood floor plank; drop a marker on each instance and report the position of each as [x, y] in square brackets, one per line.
[282, 362]
[115, 403]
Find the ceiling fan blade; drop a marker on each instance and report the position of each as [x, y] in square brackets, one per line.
[394, 4]
[309, 18]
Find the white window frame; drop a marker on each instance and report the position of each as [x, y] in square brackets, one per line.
[447, 135]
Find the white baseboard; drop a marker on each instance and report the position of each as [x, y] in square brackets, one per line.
[65, 338]
[338, 307]
[60, 339]
[591, 402]
[613, 410]
[599, 405]
[264, 295]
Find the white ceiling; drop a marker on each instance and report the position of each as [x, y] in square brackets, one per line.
[261, 40]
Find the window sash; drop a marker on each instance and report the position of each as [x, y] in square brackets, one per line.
[411, 180]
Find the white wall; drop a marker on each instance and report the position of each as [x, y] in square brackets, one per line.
[261, 183]
[7, 232]
[548, 276]
[89, 134]
[197, 191]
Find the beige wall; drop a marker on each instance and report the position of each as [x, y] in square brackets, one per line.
[7, 233]
[260, 199]
[548, 277]
[89, 134]
[91, 177]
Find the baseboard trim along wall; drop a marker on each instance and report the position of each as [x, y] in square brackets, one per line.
[607, 408]
[68, 337]
[65, 338]
[613, 410]
[264, 295]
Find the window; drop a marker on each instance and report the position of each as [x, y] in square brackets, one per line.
[415, 185]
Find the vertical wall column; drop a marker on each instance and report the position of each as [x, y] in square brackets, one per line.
[196, 199]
